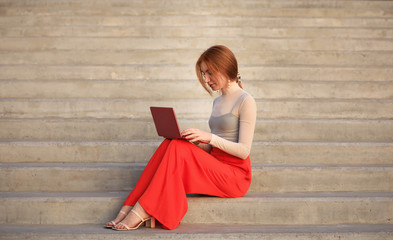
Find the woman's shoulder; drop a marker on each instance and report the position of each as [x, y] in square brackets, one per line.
[245, 96]
[239, 97]
[246, 101]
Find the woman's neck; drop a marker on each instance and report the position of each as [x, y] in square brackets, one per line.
[231, 89]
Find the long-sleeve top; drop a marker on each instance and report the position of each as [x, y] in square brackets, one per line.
[232, 122]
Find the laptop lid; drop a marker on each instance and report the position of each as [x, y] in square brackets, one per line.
[165, 122]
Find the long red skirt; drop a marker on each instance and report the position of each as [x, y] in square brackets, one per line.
[178, 167]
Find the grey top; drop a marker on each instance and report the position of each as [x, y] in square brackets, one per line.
[232, 122]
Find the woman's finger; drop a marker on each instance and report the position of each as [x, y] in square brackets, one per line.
[188, 132]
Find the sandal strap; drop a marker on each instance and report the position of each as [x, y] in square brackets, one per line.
[132, 210]
[122, 224]
[122, 212]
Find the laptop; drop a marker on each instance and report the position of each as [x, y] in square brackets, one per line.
[166, 122]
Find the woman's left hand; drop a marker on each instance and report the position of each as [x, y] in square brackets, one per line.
[196, 135]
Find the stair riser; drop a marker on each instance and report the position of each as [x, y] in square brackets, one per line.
[260, 5]
[272, 153]
[189, 57]
[126, 152]
[186, 32]
[130, 130]
[192, 109]
[185, 89]
[322, 179]
[195, 20]
[259, 10]
[134, 152]
[179, 72]
[264, 211]
[43, 44]
[291, 211]
[106, 178]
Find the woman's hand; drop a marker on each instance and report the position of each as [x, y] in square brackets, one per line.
[195, 135]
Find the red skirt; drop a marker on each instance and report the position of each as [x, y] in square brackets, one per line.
[179, 167]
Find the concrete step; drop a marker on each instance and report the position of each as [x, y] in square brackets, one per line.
[201, 10]
[187, 32]
[158, 43]
[187, 72]
[321, 153]
[192, 108]
[189, 57]
[291, 153]
[254, 209]
[79, 152]
[321, 178]
[195, 20]
[188, 89]
[143, 129]
[260, 4]
[103, 177]
[202, 232]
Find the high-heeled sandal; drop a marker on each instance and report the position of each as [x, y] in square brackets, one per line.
[113, 222]
[150, 222]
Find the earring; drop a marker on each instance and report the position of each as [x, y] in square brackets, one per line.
[229, 83]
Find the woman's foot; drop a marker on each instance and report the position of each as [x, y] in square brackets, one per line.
[132, 219]
[120, 216]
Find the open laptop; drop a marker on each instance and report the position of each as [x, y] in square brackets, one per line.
[166, 122]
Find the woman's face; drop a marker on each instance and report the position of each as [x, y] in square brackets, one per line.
[216, 81]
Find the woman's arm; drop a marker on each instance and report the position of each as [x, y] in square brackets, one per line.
[204, 146]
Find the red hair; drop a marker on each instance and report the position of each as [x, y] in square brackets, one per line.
[218, 59]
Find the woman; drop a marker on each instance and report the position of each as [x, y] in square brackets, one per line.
[215, 163]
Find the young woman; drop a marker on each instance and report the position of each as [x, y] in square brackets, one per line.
[215, 163]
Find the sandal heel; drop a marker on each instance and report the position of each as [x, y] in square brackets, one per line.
[151, 223]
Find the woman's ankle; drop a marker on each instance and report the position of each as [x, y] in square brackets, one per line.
[122, 213]
[126, 209]
[140, 210]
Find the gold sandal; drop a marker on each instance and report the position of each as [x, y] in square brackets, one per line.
[150, 222]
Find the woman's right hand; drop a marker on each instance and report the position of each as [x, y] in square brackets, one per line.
[195, 135]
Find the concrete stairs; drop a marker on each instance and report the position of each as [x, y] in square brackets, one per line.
[77, 78]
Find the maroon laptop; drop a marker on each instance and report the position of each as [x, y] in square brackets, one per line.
[166, 123]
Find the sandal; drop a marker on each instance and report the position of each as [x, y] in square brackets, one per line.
[150, 222]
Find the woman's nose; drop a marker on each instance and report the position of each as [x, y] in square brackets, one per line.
[206, 78]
